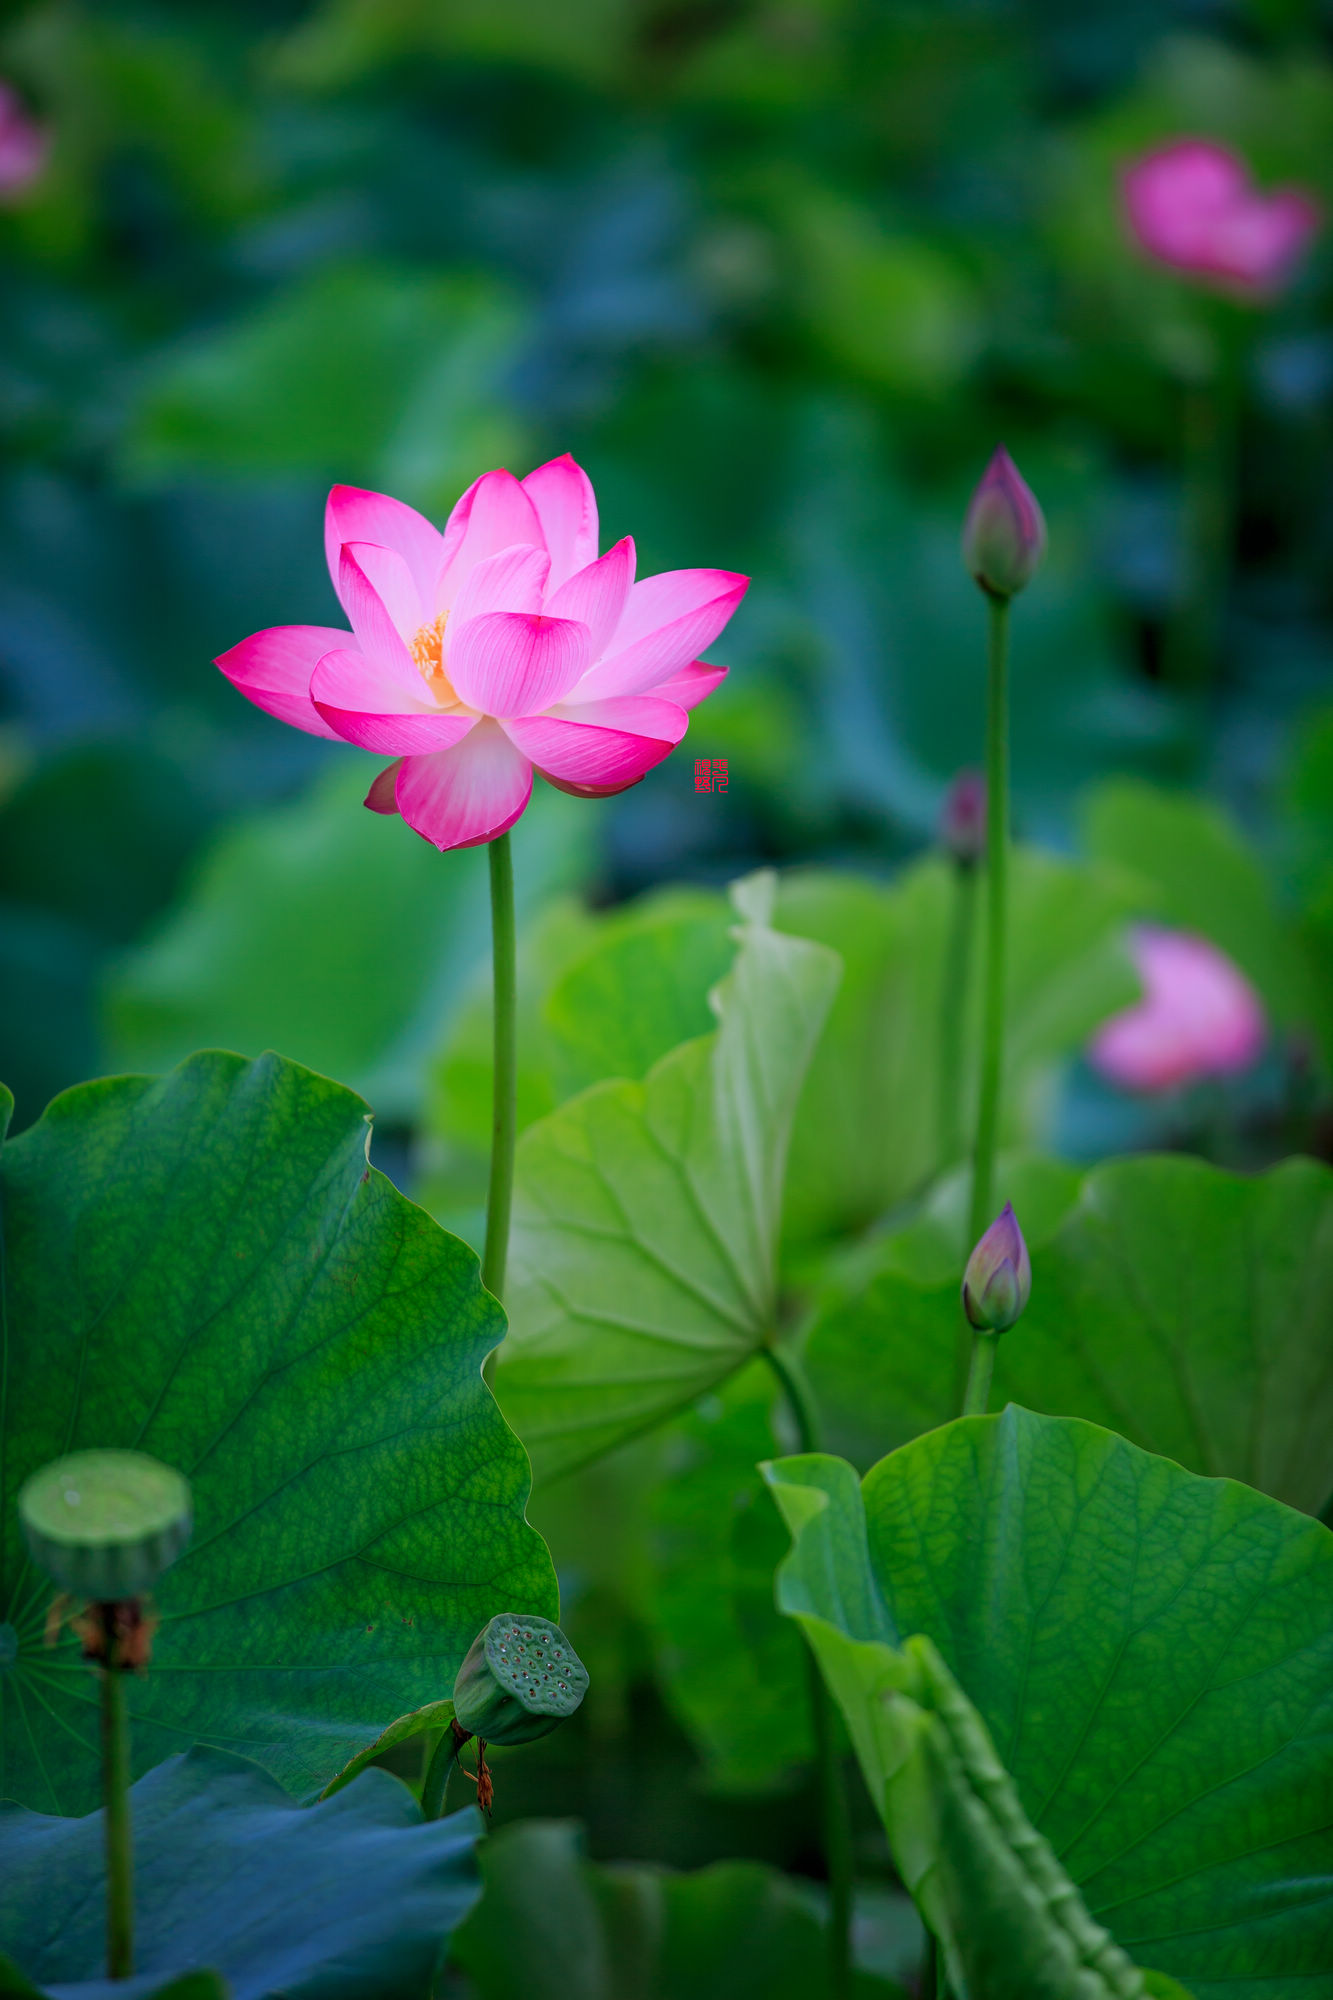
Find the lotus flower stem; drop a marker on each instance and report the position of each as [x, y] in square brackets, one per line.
[997, 896]
[836, 1818]
[504, 1117]
[116, 1804]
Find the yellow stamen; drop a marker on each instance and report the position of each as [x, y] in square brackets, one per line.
[427, 649]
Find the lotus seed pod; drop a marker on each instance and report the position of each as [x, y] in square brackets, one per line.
[1004, 535]
[520, 1678]
[997, 1283]
[105, 1524]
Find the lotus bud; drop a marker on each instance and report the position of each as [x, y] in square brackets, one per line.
[997, 1283]
[520, 1679]
[963, 818]
[1004, 535]
[105, 1524]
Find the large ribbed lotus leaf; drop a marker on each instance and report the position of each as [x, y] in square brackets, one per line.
[1066, 1662]
[205, 1267]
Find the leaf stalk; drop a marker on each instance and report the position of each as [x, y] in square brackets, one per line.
[116, 1806]
[834, 1813]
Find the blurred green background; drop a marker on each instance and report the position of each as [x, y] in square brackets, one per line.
[779, 273]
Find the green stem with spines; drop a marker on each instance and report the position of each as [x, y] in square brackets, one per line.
[504, 1101]
[992, 1032]
[836, 1817]
[116, 1813]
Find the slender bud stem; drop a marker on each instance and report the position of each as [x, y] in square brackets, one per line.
[836, 1818]
[504, 1117]
[976, 1397]
[992, 1039]
[116, 1805]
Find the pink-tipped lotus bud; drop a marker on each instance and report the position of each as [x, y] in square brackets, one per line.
[963, 818]
[1004, 535]
[997, 1283]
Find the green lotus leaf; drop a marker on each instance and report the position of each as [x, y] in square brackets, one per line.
[205, 1267]
[645, 1238]
[1065, 1661]
[205, 1985]
[349, 1900]
[599, 995]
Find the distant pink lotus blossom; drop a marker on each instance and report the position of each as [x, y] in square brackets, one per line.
[1193, 205]
[24, 145]
[502, 645]
[1199, 1016]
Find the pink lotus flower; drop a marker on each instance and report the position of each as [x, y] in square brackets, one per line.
[1192, 205]
[1199, 1016]
[24, 145]
[502, 645]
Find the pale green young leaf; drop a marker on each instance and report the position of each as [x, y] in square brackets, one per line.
[645, 1242]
